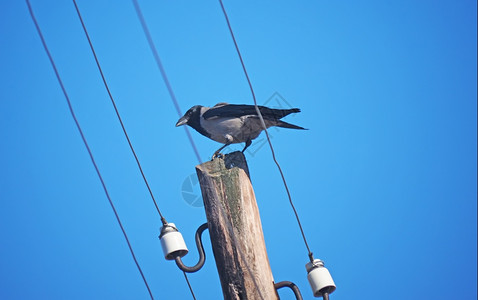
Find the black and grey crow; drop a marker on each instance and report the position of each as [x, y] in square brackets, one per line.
[234, 123]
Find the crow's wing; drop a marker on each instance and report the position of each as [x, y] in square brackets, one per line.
[239, 110]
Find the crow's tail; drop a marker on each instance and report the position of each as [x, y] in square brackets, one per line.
[288, 125]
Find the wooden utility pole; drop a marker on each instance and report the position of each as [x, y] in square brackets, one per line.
[235, 229]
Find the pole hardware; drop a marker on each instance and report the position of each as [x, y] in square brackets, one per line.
[202, 255]
[172, 242]
[320, 279]
[292, 286]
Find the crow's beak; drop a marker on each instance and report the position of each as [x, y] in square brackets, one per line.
[182, 121]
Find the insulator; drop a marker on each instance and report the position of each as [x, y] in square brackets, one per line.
[172, 242]
[319, 278]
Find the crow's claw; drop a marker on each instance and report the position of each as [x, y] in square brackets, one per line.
[217, 155]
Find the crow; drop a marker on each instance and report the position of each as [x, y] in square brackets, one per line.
[234, 123]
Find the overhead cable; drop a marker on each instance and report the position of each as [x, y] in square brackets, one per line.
[163, 220]
[163, 74]
[265, 129]
[86, 145]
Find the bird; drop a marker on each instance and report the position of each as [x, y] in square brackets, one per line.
[234, 123]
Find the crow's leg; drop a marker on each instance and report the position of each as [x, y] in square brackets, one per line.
[217, 153]
[248, 143]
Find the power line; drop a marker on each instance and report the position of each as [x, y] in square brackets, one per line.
[86, 144]
[163, 220]
[171, 94]
[163, 73]
[189, 285]
[265, 129]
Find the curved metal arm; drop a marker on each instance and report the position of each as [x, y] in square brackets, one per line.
[325, 296]
[290, 285]
[202, 256]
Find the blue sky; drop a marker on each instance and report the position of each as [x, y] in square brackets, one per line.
[384, 180]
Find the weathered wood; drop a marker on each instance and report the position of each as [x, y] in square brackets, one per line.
[235, 229]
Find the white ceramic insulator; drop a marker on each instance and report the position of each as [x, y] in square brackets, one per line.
[319, 278]
[172, 242]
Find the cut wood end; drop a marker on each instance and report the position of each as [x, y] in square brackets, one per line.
[224, 164]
